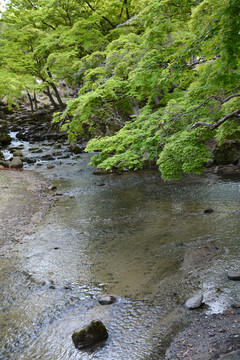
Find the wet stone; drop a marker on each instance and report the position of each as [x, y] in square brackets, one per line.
[90, 335]
[107, 300]
[52, 187]
[195, 302]
[234, 275]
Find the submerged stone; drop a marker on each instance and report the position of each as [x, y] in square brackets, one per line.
[195, 302]
[89, 335]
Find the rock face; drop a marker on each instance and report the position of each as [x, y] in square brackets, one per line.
[89, 335]
[195, 302]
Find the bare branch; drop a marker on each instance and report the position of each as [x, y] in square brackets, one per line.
[234, 114]
[104, 17]
[45, 23]
[216, 97]
[175, 117]
[32, 5]
[230, 97]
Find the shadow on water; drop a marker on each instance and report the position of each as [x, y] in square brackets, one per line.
[125, 235]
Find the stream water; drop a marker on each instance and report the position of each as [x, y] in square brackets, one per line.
[116, 234]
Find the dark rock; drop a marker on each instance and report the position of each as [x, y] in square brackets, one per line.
[50, 167]
[208, 211]
[47, 157]
[234, 275]
[195, 302]
[75, 149]
[67, 156]
[18, 154]
[89, 335]
[228, 152]
[59, 194]
[36, 150]
[22, 136]
[5, 139]
[107, 300]
[29, 160]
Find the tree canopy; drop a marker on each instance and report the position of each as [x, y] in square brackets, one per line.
[156, 79]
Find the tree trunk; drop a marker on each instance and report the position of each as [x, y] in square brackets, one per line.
[53, 102]
[30, 100]
[35, 101]
[56, 92]
[53, 86]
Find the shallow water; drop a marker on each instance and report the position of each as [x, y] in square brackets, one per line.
[120, 234]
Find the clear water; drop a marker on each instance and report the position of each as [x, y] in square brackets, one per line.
[116, 234]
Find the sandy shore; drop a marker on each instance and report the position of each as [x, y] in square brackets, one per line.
[23, 202]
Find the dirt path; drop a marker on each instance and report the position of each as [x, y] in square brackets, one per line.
[23, 202]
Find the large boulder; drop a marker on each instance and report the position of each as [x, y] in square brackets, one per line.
[15, 163]
[89, 335]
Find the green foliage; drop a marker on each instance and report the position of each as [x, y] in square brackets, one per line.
[146, 72]
[185, 152]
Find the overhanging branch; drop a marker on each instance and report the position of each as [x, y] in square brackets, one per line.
[200, 123]
[234, 114]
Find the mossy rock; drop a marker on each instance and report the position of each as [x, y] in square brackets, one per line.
[227, 153]
[89, 335]
[5, 139]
